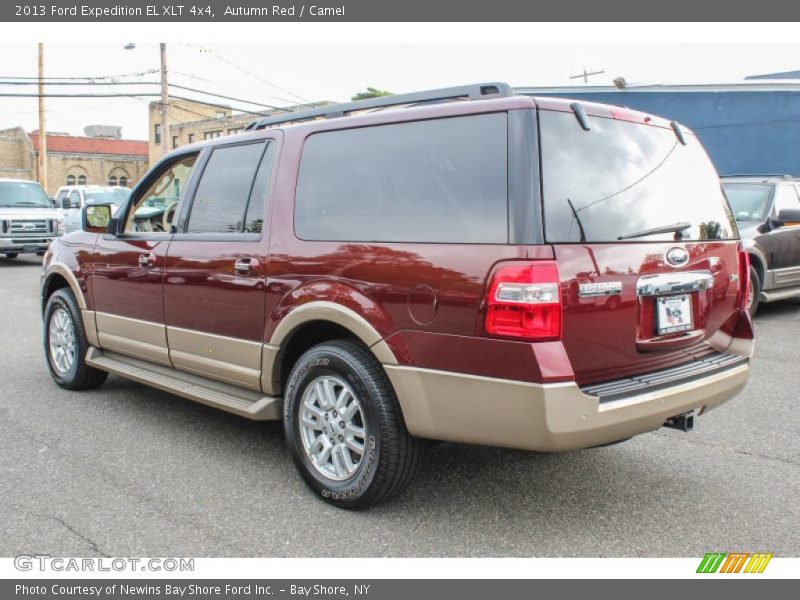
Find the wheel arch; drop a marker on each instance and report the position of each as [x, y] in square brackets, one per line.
[758, 262]
[57, 277]
[309, 325]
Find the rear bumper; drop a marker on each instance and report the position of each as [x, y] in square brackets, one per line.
[545, 417]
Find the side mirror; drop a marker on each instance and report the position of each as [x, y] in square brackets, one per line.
[787, 217]
[96, 218]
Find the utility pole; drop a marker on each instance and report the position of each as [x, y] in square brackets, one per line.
[42, 166]
[586, 74]
[165, 137]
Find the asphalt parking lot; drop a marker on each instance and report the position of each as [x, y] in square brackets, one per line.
[126, 470]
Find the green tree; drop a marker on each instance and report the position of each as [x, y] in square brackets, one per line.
[370, 93]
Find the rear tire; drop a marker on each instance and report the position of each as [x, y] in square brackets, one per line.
[345, 429]
[755, 292]
[65, 344]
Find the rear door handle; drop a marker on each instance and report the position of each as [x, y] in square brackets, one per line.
[245, 265]
[147, 260]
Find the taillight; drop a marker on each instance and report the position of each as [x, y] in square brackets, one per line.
[744, 279]
[524, 301]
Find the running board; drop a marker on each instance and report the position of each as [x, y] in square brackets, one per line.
[780, 294]
[245, 403]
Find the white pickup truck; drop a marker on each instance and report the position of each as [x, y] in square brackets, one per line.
[28, 221]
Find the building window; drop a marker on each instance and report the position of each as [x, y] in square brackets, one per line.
[209, 135]
[158, 133]
[112, 180]
[81, 179]
[234, 130]
[191, 138]
[123, 181]
[70, 179]
[174, 141]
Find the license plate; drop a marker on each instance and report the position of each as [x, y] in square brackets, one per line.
[673, 314]
[29, 249]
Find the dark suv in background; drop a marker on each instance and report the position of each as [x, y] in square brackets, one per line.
[767, 210]
[462, 264]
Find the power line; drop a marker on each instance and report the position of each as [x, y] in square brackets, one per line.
[204, 80]
[172, 85]
[85, 77]
[136, 95]
[251, 74]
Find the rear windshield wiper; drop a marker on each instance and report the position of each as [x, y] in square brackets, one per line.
[675, 227]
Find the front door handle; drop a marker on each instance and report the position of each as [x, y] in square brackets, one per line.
[245, 265]
[147, 260]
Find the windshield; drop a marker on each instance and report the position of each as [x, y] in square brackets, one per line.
[749, 201]
[622, 180]
[23, 194]
[115, 196]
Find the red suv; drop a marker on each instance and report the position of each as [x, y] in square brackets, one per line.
[463, 264]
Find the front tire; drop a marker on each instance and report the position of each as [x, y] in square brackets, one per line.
[754, 298]
[65, 344]
[11, 255]
[345, 429]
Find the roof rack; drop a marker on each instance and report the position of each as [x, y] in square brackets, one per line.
[761, 175]
[479, 91]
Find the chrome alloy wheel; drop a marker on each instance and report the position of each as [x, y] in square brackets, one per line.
[61, 338]
[332, 427]
[751, 296]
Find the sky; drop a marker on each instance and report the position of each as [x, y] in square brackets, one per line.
[283, 74]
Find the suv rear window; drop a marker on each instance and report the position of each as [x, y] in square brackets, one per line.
[428, 181]
[623, 178]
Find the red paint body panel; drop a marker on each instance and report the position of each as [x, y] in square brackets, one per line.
[203, 292]
[120, 285]
[601, 336]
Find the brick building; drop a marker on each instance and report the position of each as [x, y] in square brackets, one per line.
[73, 159]
[191, 122]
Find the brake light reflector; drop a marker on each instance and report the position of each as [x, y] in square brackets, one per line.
[524, 301]
[744, 279]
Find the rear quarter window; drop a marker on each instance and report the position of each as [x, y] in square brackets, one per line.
[442, 180]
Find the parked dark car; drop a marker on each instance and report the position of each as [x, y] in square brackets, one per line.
[767, 210]
[380, 272]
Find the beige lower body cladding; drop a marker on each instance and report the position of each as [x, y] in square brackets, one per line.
[550, 417]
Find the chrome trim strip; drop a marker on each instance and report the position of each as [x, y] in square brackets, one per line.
[680, 282]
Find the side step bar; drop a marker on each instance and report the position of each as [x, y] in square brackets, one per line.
[242, 402]
[780, 294]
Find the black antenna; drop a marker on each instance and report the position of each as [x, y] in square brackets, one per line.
[480, 91]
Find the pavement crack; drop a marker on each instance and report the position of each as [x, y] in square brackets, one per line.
[729, 448]
[92, 544]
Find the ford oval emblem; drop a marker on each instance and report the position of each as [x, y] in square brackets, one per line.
[677, 257]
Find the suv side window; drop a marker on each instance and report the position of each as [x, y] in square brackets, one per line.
[442, 180]
[786, 198]
[61, 199]
[74, 199]
[224, 192]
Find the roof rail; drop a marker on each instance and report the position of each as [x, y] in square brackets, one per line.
[479, 91]
[761, 175]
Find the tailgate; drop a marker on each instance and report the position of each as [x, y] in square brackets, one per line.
[631, 312]
[646, 244]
